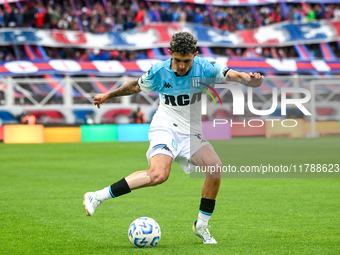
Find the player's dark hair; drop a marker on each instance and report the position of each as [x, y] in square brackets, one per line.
[183, 43]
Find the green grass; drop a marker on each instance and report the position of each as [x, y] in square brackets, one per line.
[42, 185]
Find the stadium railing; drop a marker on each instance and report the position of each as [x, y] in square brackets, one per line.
[63, 106]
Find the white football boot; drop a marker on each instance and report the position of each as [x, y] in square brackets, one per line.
[91, 202]
[204, 234]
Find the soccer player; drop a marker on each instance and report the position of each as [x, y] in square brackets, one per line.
[174, 135]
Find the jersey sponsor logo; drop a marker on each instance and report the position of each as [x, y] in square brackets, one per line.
[167, 85]
[182, 100]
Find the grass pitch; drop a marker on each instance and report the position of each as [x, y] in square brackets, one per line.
[42, 185]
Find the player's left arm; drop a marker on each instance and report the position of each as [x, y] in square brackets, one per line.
[248, 79]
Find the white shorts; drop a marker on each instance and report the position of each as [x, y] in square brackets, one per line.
[180, 147]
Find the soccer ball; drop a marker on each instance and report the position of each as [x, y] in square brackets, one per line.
[144, 232]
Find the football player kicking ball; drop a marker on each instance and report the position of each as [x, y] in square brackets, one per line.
[174, 135]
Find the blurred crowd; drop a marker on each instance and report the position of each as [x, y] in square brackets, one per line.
[98, 16]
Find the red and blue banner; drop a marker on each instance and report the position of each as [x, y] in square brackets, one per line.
[112, 68]
[158, 35]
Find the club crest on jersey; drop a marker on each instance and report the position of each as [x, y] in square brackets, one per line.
[167, 85]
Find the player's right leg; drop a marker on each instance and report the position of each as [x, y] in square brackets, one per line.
[160, 166]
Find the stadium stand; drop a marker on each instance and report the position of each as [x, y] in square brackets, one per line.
[317, 53]
[105, 16]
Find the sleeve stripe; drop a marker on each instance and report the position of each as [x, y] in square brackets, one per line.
[225, 71]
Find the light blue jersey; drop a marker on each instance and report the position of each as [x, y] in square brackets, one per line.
[178, 97]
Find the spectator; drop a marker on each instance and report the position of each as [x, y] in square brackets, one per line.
[29, 15]
[54, 14]
[2, 18]
[176, 13]
[281, 53]
[40, 19]
[310, 14]
[267, 53]
[190, 15]
[130, 23]
[337, 13]
[240, 24]
[153, 13]
[295, 14]
[2, 98]
[13, 19]
[165, 14]
[140, 15]
[63, 23]
[328, 13]
[138, 116]
[276, 15]
[198, 16]
[28, 119]
[98, 54]
[89, 119]
[319, 14]
[220, 15]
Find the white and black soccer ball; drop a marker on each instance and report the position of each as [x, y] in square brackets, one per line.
[144, 232]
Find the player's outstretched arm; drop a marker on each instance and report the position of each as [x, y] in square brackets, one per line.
[248, 79]
[129, 88]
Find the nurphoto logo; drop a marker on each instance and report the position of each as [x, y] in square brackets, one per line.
[286, 102]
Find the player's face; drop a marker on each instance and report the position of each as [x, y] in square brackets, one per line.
[182, 63]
